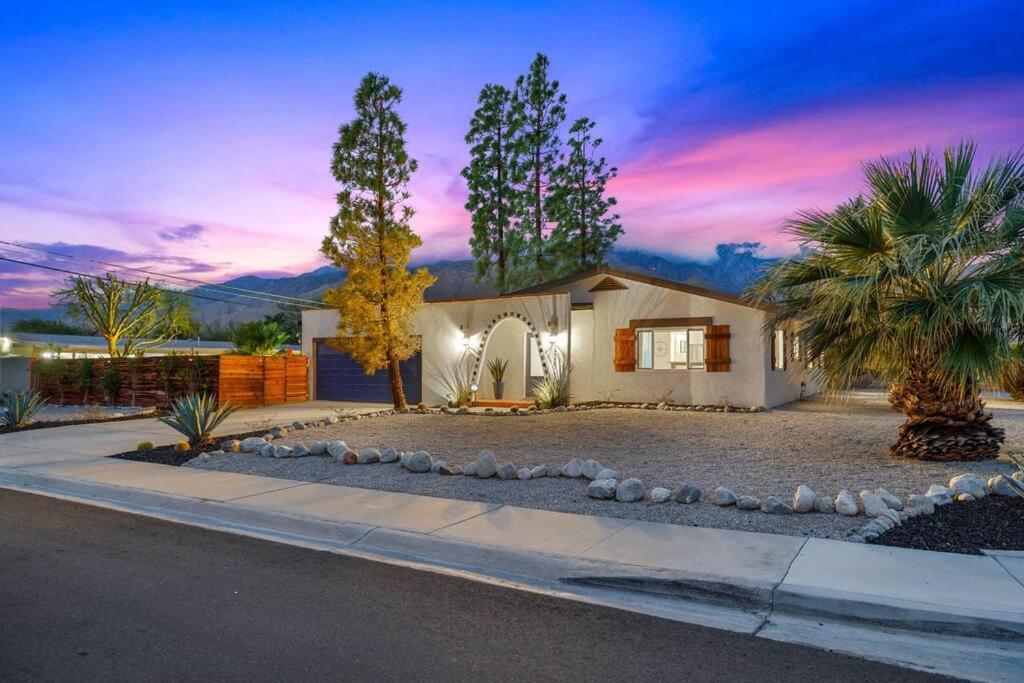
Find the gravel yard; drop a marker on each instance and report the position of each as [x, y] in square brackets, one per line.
[825, 444]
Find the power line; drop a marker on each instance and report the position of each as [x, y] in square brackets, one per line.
[74, 272]
[250, 293]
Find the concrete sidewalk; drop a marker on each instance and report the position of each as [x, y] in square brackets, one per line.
[742, 581]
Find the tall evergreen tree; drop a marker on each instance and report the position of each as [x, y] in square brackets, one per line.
[370, 236]
[585, 229]
[543, 108]
[492, 176]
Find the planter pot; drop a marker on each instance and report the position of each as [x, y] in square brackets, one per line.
[499, 390]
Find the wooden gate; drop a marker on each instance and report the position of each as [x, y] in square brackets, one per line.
[263, 380]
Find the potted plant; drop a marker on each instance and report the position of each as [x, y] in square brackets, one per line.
[497, 368]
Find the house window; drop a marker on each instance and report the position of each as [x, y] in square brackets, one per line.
[796, 347]
[670, 349]
[645, 349]
[778, 349]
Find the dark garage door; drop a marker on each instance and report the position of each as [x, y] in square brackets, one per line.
[340, 378]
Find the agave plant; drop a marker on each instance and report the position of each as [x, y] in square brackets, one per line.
[920, 283]
[497, 367]
[196, 416]
[17, 408]
[553, 389]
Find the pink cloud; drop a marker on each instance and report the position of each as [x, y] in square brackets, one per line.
[743, 185]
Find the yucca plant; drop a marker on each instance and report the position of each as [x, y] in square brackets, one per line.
[196, 416]
[456, 385]
[920, 283]
[17, 408]
[553, 389]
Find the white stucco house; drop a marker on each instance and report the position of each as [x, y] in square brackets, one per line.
[628, 337]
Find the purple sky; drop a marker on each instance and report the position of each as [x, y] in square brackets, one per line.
[196, 140]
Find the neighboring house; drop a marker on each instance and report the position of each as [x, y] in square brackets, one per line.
[628, 337]
[17, 349]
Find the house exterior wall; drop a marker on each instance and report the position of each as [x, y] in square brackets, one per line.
[747, 383]
[507, 341]
[444, 346]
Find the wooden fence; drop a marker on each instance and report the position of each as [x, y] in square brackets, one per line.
[158, 380]
[263, 380]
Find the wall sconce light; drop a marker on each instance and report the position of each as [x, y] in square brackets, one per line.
[552, 326]
[465, 336]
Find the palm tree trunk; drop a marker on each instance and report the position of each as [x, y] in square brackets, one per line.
[941, 424]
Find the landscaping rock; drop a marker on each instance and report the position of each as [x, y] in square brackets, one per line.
[463, 410]
[591, 468]
[724, 497]
[630, 491]
[846, 504]
[607, 473]
[774, 506]
[469, 469]
[449, 470]
[824, 505]
[965, 498]
[277, 432]
[389, 455]
[350, 457]
[891, 501]
[939, 494]
[267, 450]
[873, 505]
[523, 473]
[748, 503]
[436, 467]
[317, 448]
[554, 471]
[299, 451]
[231, 446]
[253, 444]
[282, 452]
[298, 425]
[803, 499]
[922, 504]
[506, 471]
[368, 456]
[486, 465]
[573, 469]
[539, 472]
[336, 449]
[969, 483]
[660, 494]
[602, 488]
[419, 462]
[999, 485]
[560, 409]
[688, 493]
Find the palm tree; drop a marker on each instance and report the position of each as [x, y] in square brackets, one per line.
[259, 338]
[920, 283]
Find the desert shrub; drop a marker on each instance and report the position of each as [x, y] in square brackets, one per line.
[196, 416]
[17, 408]
[111, 383]
[85, 377]
[144, 446]
[552, 390]
[259, 338]
[1011, 379]
[182, 447]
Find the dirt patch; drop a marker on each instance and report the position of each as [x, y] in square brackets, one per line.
[991, 523]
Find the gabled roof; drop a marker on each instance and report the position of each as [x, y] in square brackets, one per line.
[636, 277]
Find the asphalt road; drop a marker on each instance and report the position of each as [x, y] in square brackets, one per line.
[87, 593]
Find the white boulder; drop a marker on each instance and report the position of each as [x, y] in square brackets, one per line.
[846, 504]
[803, 499]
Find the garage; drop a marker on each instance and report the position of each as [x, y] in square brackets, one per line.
[340, 378]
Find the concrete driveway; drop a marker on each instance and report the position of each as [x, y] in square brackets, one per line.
[74, 442]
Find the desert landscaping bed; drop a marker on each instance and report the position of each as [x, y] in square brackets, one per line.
[990, 523]
[825, 445]
[64, 416]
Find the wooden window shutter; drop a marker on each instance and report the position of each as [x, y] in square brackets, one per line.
[625, 350]
[716, 353]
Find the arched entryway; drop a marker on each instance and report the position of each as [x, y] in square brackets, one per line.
[513, 338]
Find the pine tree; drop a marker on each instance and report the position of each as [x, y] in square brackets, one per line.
[493, 172]
[543, 108]
[585, 229]
[370, 236]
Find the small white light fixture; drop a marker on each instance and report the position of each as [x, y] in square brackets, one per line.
[474, 387]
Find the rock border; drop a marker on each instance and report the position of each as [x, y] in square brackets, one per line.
[884, 510]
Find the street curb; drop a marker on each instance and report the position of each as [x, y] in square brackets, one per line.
[757, 599]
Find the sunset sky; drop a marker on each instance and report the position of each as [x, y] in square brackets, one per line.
[196, 140]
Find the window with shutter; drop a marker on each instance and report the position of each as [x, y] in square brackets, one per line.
[625, 350]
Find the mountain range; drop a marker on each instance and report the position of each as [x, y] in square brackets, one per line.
[735, 266]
